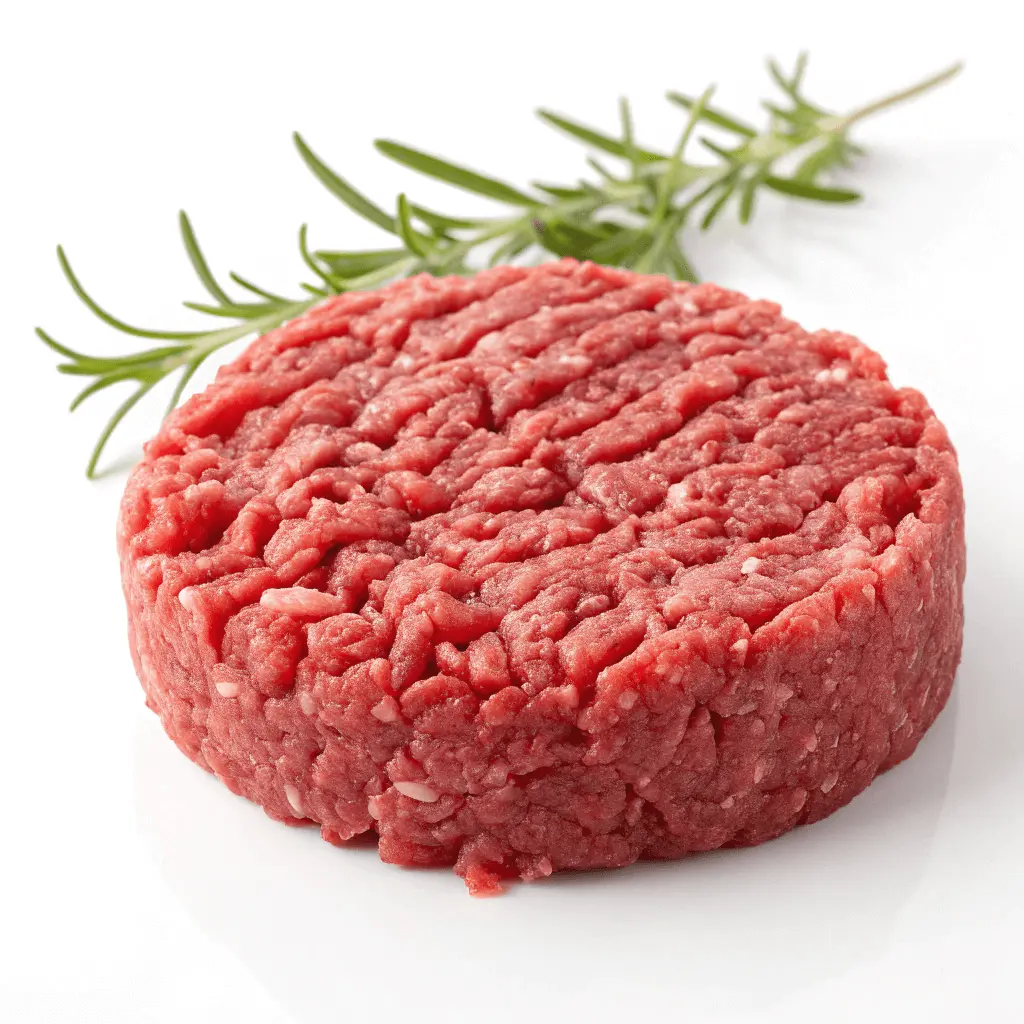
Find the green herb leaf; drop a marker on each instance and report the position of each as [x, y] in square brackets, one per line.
[510, 249]
[441, 222]
[628, 142]
[199, 264]
[232, 311]
[805, 190]
[731, 156]
[781, 80]
[443, 170]
[714, 116]
[109, 319]
[798, 72]
[725, 190]
[355, 264]
[592, 137]
[748, 195]
[339, 187]
[414, 242]
[119, 414]
[333, 286]
[820, 160]
[250, 287]
[561, 191]
[187, 374]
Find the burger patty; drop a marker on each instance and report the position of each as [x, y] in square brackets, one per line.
[547, 568]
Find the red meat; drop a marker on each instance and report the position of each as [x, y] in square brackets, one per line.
[546, 569]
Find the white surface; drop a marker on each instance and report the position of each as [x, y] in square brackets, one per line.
[133, 886]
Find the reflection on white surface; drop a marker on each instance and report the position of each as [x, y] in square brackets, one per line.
[331, 930]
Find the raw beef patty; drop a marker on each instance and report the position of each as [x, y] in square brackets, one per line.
[548, 568]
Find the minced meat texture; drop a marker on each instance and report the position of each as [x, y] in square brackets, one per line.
[545, 569]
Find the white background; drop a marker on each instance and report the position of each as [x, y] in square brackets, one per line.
[133, 886]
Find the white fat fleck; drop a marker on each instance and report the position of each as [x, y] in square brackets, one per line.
[678, 494]
[760, 770]
[627, 699]
[372, 809]
[793, 414]
[829, 783]
[385, 710]
[839, 375]
[307, 704]
[417, 791]
[300, 601]
[740, 647]
[747, 708]
[811, 743]
[294, 800]
[679, 605]
[869, 592]
[227, 689]
[752, 564]
[727, 802]
[903, 718]
[187, 597]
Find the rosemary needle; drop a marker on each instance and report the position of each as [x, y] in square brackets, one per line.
[633, 218]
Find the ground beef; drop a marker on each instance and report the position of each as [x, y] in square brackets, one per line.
[545, 569]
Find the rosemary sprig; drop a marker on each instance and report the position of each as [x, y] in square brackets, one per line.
[632, 218]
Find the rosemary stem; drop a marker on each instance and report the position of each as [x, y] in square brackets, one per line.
[218, 339]
[842, 124]
[497, 228]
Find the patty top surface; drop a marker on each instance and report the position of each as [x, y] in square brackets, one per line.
[520, 477]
